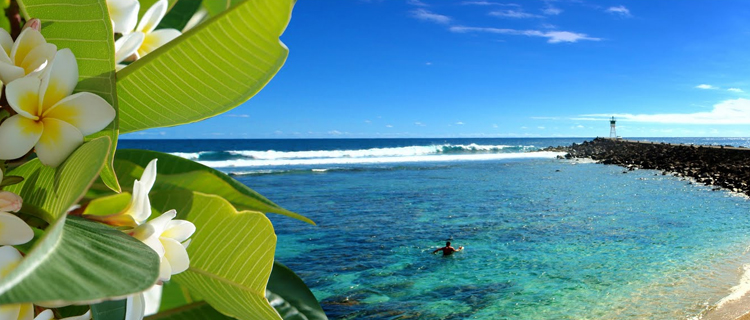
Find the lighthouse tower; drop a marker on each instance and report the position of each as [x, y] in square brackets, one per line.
[612, 132]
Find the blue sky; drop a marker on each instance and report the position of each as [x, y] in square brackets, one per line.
[439, 68]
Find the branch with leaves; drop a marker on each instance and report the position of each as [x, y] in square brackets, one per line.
[90, 231]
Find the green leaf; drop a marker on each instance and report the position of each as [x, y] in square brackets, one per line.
[210, 69]
[195, 311]
[84, 27]
[180, 14]
[179, 173]
[231, 253]
[215, 7]
[173, 296]
[297, 302]
[78, 261]
[109, 310]
[48, 192]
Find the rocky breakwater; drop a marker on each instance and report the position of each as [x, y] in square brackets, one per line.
[725, 167]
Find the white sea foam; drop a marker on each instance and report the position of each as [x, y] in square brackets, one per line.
[187, 155]
[376, 160]
[739, 290]
[364, 153]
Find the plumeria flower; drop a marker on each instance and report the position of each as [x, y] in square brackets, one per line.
[49, 118]
[139, 208]
[168, 238]
[27, 56]
[124, 14]
[13, 230]
[48, 315]
[145, 38]
[9, 259]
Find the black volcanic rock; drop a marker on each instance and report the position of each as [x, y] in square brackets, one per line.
[722, 166]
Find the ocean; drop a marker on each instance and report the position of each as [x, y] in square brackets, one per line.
[544, 238]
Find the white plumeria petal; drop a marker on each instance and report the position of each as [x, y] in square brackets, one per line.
[152, 299]
[127, 45]
[84, 110]
[38, 58]
[120, 66]
[26, 41]
[153, 16]
[9, 201]
[124, 14]
[9, 259]
[10, 72]
[176, 254]
[6, 42]
[60, 79]
[57, 142]
[187, 243]
[156, 39]
[179, 230]
[134, 307]
[13, 230]
[23, 97]
[165, 270]
[19, 136]
[45, 315]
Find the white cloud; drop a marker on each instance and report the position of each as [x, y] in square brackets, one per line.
[540, 127]
[580, 126]
[460, 123]
[488, 3]
[416, 3]
[425, 15]
[705, 86]
[238, 116]
[735, 90]
[552, 10]
[518, 14]
[368, 121]
[552, 36]
[335, 132]
[733, 111]
[621, 10]
[428, 63]
[388, 126]
[494, 125]
[419, 124]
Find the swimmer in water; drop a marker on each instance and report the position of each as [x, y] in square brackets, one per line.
[448, 250]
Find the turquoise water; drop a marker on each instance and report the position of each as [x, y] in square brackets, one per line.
[544, 238]
[584, 242]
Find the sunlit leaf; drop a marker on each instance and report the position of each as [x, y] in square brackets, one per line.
[211, 69]
[195, 311]
[231, 253]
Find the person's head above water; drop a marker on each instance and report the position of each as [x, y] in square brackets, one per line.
[448, 244]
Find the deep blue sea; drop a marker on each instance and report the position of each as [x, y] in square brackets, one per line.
[544, 238]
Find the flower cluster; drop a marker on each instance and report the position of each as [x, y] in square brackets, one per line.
[45, 114]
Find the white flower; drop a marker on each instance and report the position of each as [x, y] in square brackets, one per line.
[145, 39]
[135, 308]
[168, 238]
[124, 14]
[48, 116]
[13, 230]
[48, 315]
[139, 208]
[27, 56]
[9, 259]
